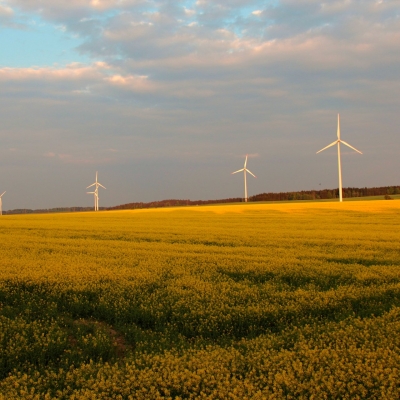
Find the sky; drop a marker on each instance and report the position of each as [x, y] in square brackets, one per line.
[165, 98]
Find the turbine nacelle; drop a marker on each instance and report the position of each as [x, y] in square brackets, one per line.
[338, 141]
[244, 169]
[96, 184]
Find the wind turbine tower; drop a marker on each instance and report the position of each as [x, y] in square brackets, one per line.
[338, 141]
[1, 204]
[96, 199]
[244, 169]
[95, 193]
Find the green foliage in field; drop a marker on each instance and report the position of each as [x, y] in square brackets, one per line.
[243, 301]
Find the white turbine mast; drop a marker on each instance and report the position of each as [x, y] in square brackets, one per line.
[338, 141]
[96, 199]
[1, 203]
[244, 169]
[95, 193]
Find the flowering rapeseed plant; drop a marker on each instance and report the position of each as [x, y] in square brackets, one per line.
[271, 301]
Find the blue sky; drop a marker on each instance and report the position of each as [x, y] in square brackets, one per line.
[38, 44]
[165, 98]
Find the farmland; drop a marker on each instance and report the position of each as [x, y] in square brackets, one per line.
[295, 300]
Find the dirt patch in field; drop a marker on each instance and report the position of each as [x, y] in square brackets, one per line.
[121, 347]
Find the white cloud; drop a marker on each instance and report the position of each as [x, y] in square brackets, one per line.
[71, 72]
[131, 82]
[5, 10]
[6, 13]
[190, 12]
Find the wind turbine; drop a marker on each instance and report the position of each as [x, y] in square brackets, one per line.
[338, 141]
[244, 169]
[1, 204]
[95, 193]
[96, 199]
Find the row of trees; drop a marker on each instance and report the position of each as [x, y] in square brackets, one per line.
[283, 196]
[173, 203]
[49, 210]
[326, 194]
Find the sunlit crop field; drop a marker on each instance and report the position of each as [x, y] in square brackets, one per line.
[250, 301]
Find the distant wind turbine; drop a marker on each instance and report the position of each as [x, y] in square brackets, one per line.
[1, 204]
[95, 193]
[96, 199]
[338, 141]
[244, 169]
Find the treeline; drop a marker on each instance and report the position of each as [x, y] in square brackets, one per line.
[283, 196]
[326, 194]
[173, 203]
[50, 210]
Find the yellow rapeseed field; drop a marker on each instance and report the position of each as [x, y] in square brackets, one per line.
[247, 301]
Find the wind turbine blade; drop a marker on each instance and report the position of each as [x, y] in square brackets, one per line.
[345, 143]
[251, 173]
[2, 194]
[240, 170]
[245, 162]
[91, 192]
[100, 185]
[332, 144]
[338, 127]
[91, 185]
